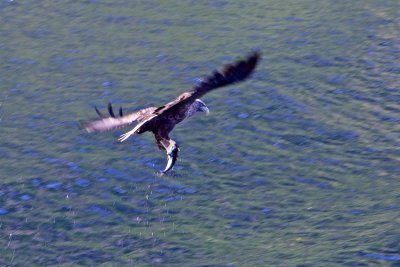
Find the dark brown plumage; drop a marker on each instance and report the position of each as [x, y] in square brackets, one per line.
[162, 120]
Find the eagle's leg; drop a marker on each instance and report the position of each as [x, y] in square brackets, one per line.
[159, 144]
[171, 148]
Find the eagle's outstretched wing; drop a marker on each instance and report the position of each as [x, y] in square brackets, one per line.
[113, 122]
[227, 75]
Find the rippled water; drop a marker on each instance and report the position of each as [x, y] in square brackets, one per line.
[298, 166]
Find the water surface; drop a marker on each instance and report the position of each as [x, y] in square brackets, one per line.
[298, 166]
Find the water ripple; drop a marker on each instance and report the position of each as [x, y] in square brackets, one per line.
[379, 256]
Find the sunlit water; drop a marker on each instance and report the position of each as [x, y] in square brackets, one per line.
[298, 166]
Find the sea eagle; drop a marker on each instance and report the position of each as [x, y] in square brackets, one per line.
[162, 120]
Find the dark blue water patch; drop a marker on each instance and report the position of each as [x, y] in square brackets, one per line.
[99, 210]
[122, 60]
[392, 207]
[37, 181]
[298, 140]
[63, 60]
[12, 194]
[309, 160]
[86, 255]
[379, 256]
[393, 68]
[83, 150]
[238, 215]
[393, 169]
[391, 94]
[267, 210]
[127, 209]
[173, 198]
[25, 197]
[358, 212]
[217, 4]
[32, 125]
[373, 150]
[9, 3]
[314, 60]
[66, 208]
[119, 190]
[151, 163]
[156, 31]
[243, 115]
[162, 190]
[54, 185]
[235, 225]
[186, 190]
[374, 74]
[77, 30]
[336, 80]
[82, 182]
[293, 18]
[333, 162]
[114, 173]
[343, 59]
[278, 143]
[167, 187]
[258, 181]
[327, 135]
[259, 158]
[3, 211]
[367, 64]
[106, 94]
[119, 19]
[105, 195]
[386, 42]
[385, 118]
[281, 101]
[172, 188]
[352, 94]
[72, 165]
[313, 182]
[22, 61]
[107, 84]
[69, 164]
[299, 41]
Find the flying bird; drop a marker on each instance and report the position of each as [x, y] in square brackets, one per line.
[162, 120]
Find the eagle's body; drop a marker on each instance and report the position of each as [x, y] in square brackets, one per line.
[162, 120]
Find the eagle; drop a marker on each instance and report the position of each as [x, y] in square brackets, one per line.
[162, 120]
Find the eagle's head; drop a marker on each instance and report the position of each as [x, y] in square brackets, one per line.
[199, 105]
[196, 106]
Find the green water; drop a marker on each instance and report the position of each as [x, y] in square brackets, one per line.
[298, 166]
